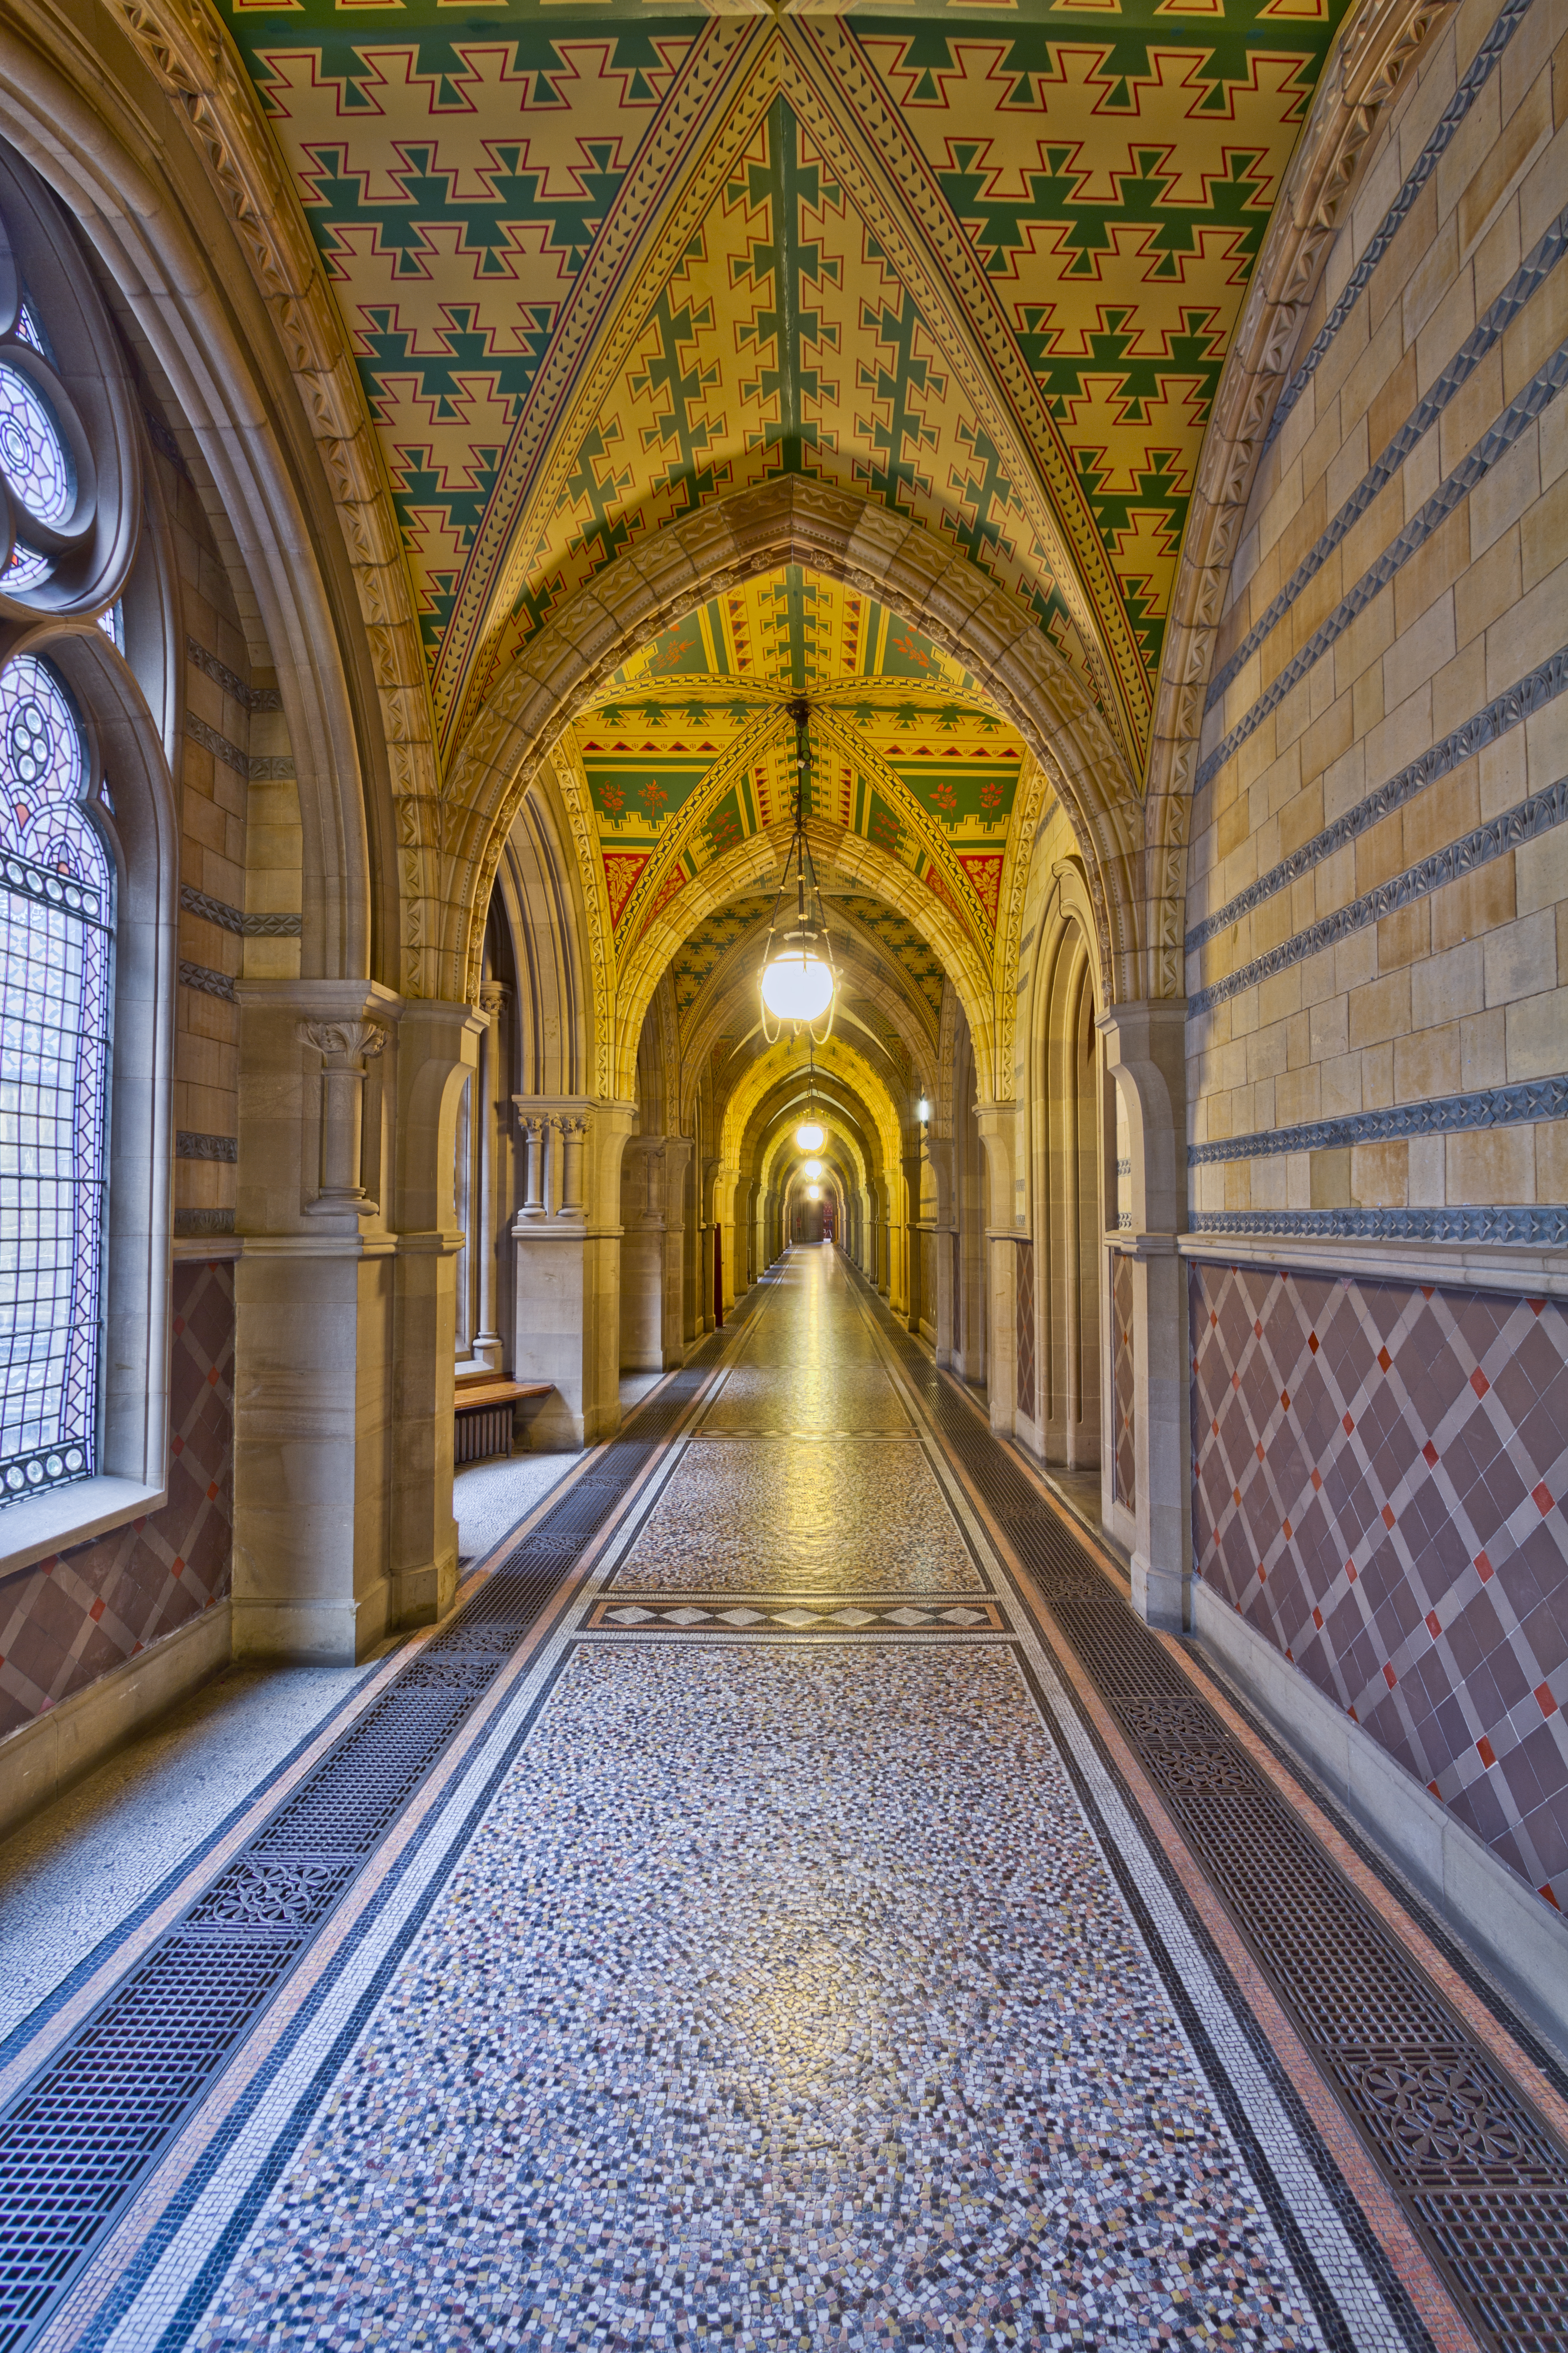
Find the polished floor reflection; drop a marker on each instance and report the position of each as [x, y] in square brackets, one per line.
[779, 1958]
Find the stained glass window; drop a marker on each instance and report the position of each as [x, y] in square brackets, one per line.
[26, 569]
[56, 909]
[36, 463]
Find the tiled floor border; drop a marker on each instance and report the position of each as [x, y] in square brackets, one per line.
[35, 2286]
[1249, 2082]
[1183, 1865]
[192, 2223]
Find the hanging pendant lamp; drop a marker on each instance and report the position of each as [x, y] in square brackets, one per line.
[810, 1136]
[799, 982]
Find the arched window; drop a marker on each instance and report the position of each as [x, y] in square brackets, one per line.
[86, 908]
[55, 932]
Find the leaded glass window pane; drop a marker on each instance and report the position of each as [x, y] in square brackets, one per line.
[36, 463]
[55, 947]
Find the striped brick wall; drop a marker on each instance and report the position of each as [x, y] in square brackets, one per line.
[1378, 906]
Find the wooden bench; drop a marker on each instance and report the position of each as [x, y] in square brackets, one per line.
[485, 1413]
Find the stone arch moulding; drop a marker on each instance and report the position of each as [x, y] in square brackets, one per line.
[218, 267]
[1378, 43]
[758, 860]
[792, 519]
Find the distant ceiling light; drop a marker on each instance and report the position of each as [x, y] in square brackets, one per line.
[814, 1192]
[808, 1136]
[814, 1169]
[799, 979]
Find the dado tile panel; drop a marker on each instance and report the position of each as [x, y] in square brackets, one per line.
[1380, 1477]
[81, 1613]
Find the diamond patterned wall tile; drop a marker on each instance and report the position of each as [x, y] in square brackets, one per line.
[1379, 1474]
[1121, 1391]
[74, 1617]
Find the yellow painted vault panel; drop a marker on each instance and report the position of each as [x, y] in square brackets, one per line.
[600, 267]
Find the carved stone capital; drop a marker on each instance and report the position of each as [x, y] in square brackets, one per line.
[343, 1045]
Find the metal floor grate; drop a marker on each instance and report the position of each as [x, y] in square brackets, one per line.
[1482, 2178]
[77, 2140]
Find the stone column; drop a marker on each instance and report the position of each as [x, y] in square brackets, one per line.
[997, 1123]
[913, 1166]
[1145, 1053]
[533, 1130]
[488, 1340]
[643, 1255]
[346, 1314]
[677, 1152]
[943, 1306]
[344, 1046]
[566, 1264]
[439, 1050]
[313, 1296]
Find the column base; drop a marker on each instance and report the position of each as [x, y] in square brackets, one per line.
[317, 1634]
[1161, 1596]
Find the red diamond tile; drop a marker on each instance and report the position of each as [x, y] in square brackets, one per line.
[1344, 1493]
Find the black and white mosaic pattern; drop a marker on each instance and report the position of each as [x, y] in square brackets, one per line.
[743, 1515]
[782, 1999]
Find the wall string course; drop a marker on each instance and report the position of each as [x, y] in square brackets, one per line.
[1527, 822]
[1515, 1106]
[1471, 83]
[1517, 1224]
[1532, 273]
[1505, 712]
[1494, 445]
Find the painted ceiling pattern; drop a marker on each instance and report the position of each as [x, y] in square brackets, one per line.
[691, 750]
[601, 267]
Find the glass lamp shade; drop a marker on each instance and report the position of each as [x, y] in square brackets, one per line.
[814, 1169]
[814, 1192]
[808, 1136]
[797, 987]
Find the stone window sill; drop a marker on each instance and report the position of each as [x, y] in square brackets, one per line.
[36, 1526]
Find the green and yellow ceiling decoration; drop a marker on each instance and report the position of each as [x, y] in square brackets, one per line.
[604, 264]
[693, 749]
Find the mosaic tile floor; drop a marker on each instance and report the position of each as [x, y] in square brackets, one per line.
[834, 1516]
[799, 1972]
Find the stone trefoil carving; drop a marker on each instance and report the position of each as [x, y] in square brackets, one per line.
[345, 1048]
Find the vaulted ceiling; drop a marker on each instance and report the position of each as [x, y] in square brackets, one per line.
[603, 264]
[691, 750]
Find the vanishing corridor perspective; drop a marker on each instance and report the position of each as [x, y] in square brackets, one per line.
[783, 1175]
[793, 1943]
